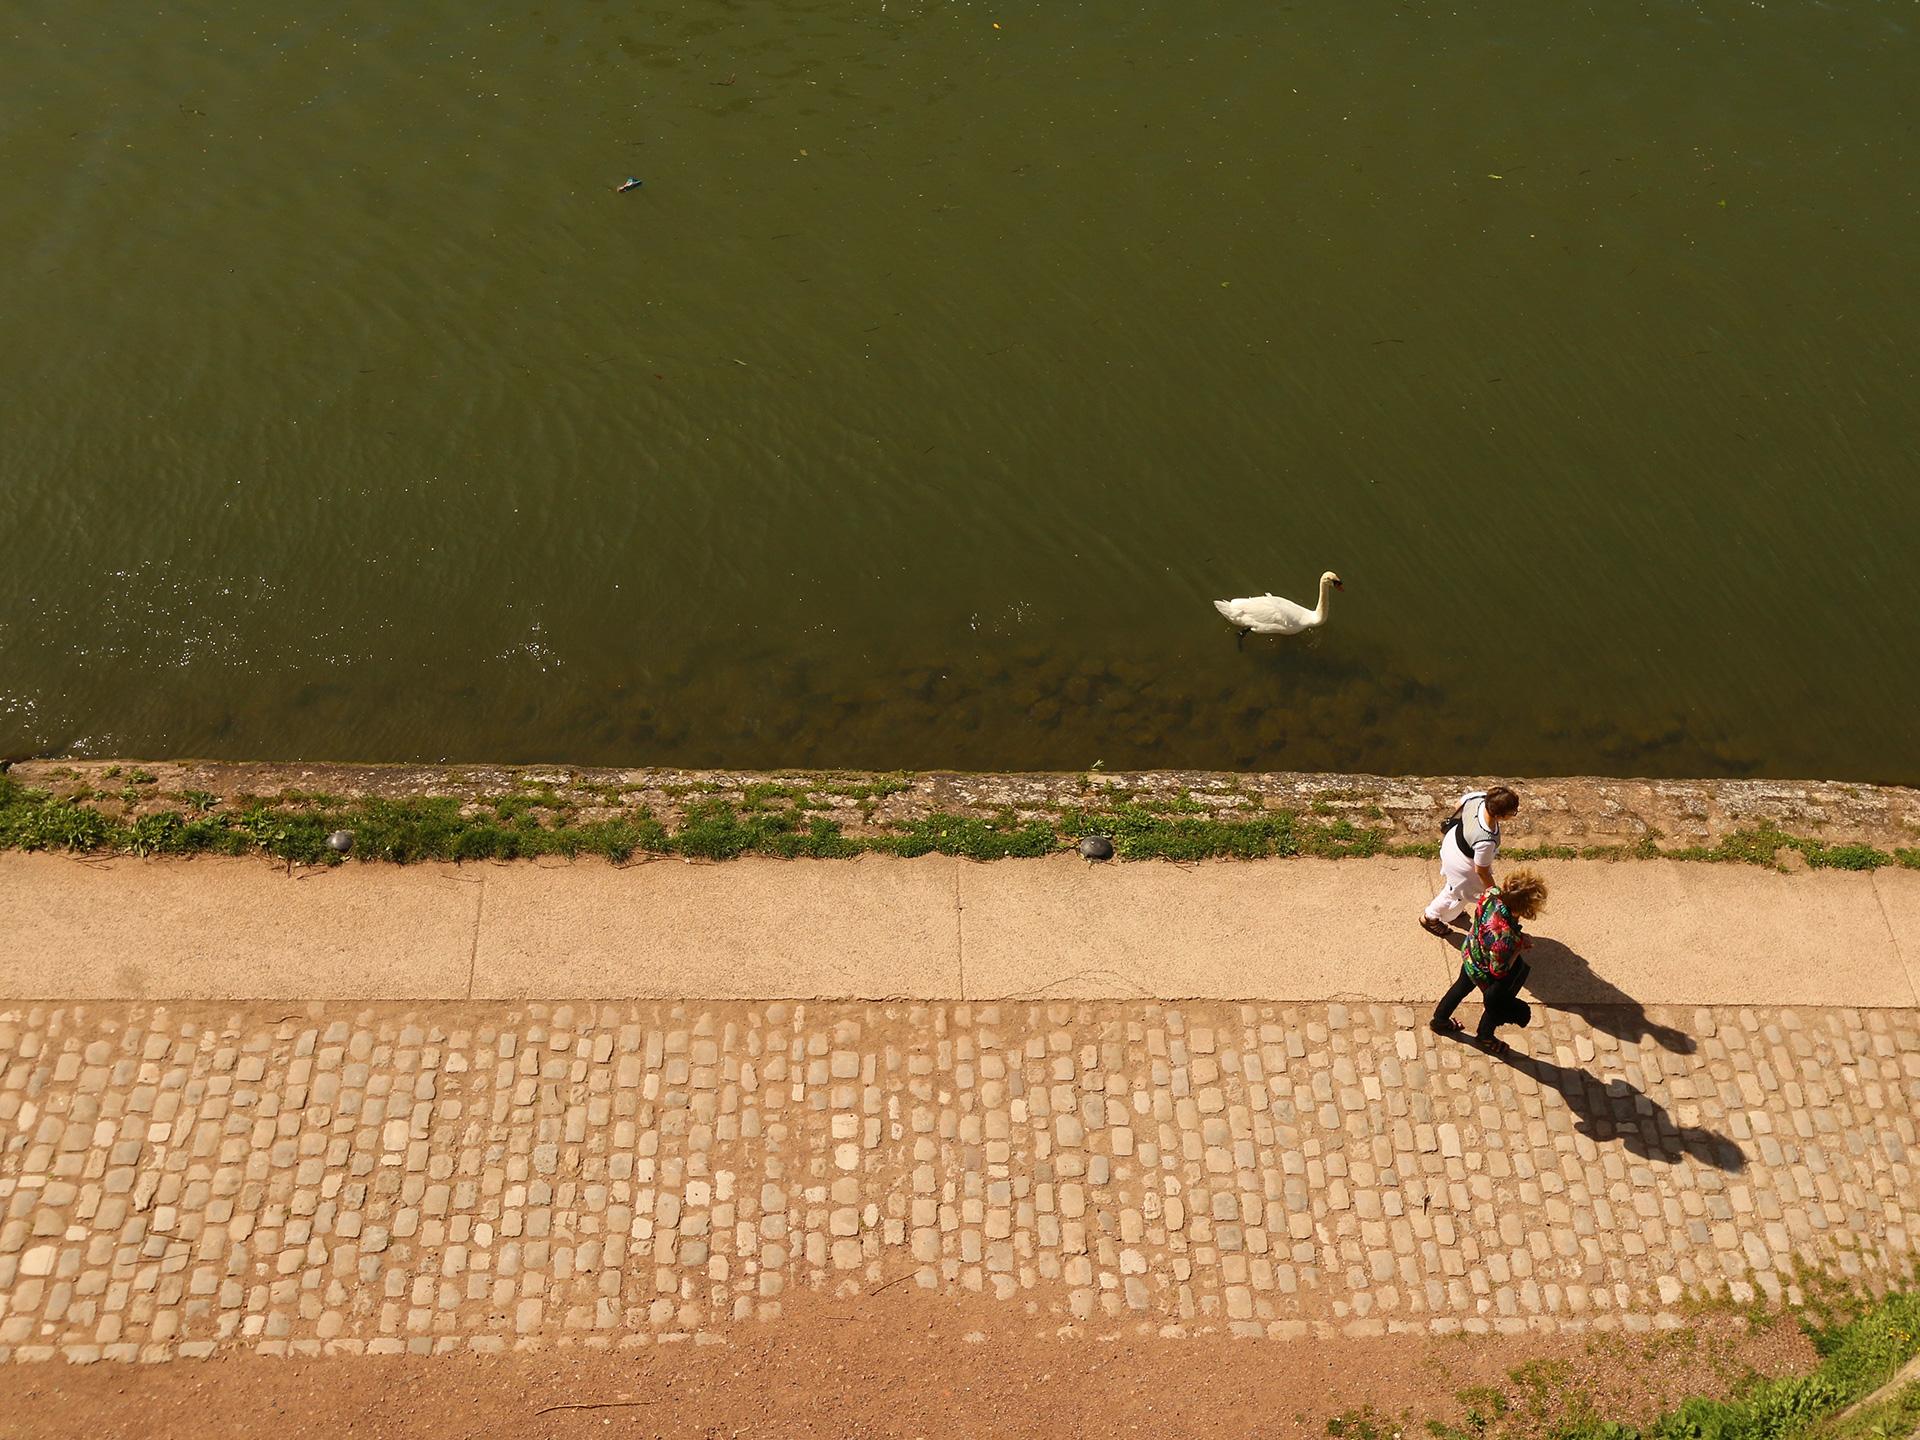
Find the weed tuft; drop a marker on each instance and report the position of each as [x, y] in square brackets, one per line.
[1365, 1423]
[1862, 1343]
[1762, 844]
[971, 836]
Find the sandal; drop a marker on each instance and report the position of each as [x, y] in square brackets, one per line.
[1452, 1029]
[1435, 927]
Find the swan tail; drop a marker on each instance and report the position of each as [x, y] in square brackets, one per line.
[1225, 607]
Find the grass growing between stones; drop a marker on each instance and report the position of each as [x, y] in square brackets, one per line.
[777, 819]
[1762, 845]
[772, 820]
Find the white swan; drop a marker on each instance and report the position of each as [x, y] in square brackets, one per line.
[1271, 615]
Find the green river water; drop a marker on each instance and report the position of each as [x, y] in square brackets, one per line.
[951, 359]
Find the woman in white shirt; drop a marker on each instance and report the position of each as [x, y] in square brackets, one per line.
[1468, 843]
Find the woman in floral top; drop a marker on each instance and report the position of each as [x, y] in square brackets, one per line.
[1490, 957]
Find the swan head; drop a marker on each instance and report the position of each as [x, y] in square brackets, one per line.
[1327, 577]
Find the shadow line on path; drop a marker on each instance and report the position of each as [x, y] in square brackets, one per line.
[1563, 980]
[1617, 1110]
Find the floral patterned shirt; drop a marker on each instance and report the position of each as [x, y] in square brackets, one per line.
[1493, 940]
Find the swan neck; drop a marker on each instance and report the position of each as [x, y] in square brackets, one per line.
[1320, 610]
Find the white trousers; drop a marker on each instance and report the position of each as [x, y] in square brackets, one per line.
[1459, 884]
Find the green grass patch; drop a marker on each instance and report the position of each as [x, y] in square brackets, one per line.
[779, 818]
[714, 830]
[772, 794]
[1762, 844]
[427, 828]
[1540, 852]
[1895, 1418]
[1862, 1344]
[1759, 845]
[1141, 833]
[877, 788]
[1365, 1423]
[1000, 838]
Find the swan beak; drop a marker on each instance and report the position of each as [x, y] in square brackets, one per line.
[1339, 584]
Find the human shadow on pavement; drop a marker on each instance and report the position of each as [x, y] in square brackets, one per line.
[1563, 980]
[1615, 1110]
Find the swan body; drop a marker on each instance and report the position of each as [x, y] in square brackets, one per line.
[1274, 615]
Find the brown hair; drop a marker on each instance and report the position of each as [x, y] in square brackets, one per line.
[1525, 893]
[1502, 802]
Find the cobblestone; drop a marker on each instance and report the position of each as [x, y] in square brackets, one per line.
[173, 1179]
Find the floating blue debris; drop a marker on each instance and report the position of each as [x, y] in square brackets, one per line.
[628, 184]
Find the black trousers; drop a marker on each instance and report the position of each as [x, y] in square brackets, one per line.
[1492, 1000]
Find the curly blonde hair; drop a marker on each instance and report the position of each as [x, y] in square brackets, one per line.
[1525, 892]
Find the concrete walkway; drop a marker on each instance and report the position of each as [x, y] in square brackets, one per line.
[1648, 933]
[440, 1108]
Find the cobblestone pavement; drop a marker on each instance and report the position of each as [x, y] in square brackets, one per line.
[352, 1180]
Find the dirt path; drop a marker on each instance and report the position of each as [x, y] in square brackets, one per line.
[895, 1365]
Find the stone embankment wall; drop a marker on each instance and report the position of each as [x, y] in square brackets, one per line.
[1575, 811]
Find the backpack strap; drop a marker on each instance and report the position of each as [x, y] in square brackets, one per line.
[1457, 822]
[1460, 839]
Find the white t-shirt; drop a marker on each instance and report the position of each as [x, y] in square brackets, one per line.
[1484, 852]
